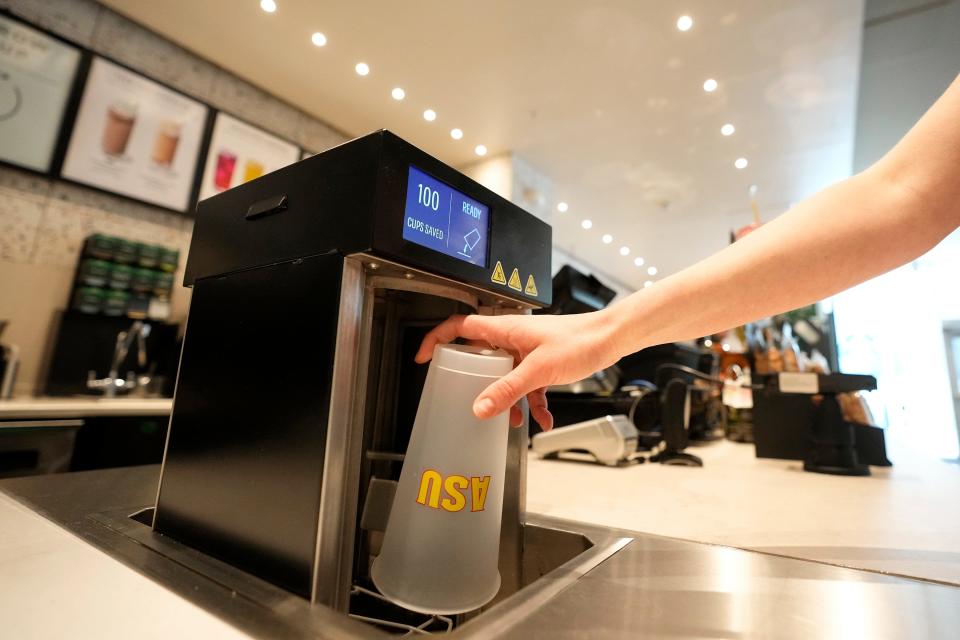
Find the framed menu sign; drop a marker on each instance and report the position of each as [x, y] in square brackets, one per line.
[240, 152]
[36, 76]
[135, 137]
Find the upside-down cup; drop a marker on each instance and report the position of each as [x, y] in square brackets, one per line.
[442, 542]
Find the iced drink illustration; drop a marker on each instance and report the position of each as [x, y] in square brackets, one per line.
[121, 117]
[226, 163]
[252, 170]
[165, 142]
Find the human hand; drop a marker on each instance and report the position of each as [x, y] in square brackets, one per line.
[547, 350]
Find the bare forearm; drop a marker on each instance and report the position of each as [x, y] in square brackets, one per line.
[819, 248]
[862, 227]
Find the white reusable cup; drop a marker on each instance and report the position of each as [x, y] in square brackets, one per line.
[442, 541]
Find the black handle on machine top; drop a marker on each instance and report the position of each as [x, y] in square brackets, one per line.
[266, 207]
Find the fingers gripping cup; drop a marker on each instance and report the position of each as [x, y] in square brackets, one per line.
[442, 542]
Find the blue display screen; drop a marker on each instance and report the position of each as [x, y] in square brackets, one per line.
[443, 219]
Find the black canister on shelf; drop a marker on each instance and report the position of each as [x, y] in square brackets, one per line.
[144, 280]
[149, 256]
[126, 251]
[100, 246]
[115, 303]
[164, 284]
[88, 299]
[169, 260]
[121, 276]
[94, 273]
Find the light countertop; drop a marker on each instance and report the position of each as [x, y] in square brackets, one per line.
[39, 408]
[902, 520]
[56, 585]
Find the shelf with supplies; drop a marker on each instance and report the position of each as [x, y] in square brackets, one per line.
[118, 277]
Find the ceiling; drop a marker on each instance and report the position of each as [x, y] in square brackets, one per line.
[606, 99]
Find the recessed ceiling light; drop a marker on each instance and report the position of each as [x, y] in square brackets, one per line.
[638, 262]
[684, 23]
[725, 347]
[740, 163]
[562, 207]
[268, 5]
[727, 129]
[648, 283]
[708, 342]
[624, 251]
[586, 224]
[607, 238]
[480, 150]
[398, 93]
[651, 271]
[318, 39]
[710, 85]
[429, 115]
[456, 134]
[362, 69]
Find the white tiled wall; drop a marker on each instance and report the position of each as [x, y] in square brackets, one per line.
[43, 222]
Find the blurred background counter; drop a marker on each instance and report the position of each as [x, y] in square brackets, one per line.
[900, 520]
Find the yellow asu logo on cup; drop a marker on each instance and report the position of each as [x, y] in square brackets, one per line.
[455, 492]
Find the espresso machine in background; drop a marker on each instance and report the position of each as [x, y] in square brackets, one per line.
[297, 390]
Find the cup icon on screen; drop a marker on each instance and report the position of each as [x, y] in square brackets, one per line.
[121, 117]
[470, 241]
[165, 142]
[226, 163]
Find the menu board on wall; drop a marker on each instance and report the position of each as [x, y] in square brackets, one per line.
[135, 137]
[239, 153]
[36, 74]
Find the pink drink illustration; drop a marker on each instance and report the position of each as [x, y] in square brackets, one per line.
[226, 163]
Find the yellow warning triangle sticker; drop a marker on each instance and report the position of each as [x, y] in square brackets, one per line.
[498, 276]
[531, 289]
[515, 280]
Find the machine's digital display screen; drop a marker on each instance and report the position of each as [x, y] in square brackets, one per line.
[443, 219]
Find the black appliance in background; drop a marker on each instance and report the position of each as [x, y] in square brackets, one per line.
[81, 343]
[576, 292]
[809, 426]
[649, 364]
